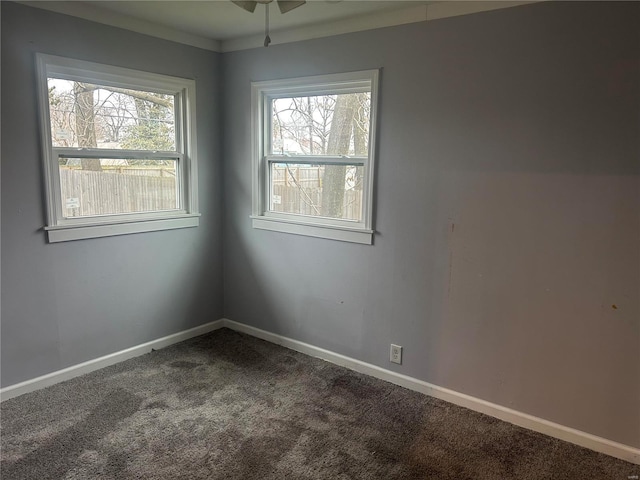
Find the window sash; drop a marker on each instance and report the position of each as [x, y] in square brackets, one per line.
[178, 137]
[125, 155]
[267, 141]
[103, 153]
[317, 160]
[71, 152]
[319, 219]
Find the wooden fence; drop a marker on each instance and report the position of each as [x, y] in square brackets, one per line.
[303, 175]
[307, 201]
[86, 192]
[298, 189]
[144, 171]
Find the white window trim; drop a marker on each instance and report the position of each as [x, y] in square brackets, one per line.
[61, 229]
[334, 229]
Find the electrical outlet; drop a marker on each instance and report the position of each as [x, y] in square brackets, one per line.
[395, 355]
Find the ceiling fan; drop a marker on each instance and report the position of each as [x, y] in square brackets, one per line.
[284, 6]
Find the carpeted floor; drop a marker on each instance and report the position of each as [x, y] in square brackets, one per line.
[229, 406]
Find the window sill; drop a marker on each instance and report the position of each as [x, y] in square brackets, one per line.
[331, 232]
[65, 233]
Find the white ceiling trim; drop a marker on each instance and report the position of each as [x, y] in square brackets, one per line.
[108, 17]
[454, 8]
[328, 29]
[420, 13]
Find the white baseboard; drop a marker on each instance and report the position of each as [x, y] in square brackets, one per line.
[587, 440]
[111, 359]
[577, 437]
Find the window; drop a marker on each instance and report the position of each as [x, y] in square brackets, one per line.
[314, 142]
[119, 149]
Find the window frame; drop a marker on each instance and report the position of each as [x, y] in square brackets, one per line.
[262, 93]
[60, 228]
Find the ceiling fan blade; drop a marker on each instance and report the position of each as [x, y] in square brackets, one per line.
[246, 5]
[288, 5]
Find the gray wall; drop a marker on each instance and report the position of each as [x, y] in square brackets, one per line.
[66, 303]
[507, 203]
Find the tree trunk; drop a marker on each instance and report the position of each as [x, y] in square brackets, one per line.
[360, 135]
[85, 123]
[360, 130]
[339, 141]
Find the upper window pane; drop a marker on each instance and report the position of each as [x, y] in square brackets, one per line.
[99, 116]
[321, 125]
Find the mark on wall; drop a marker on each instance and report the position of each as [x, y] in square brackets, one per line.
[335, 322]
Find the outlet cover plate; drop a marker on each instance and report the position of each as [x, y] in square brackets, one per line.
[395, 354]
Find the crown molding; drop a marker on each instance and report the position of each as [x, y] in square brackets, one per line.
[419, 13]
[328, 29]
[100, 15]
[446, 9]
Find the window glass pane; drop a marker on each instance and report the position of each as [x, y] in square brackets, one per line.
[95, 116]
[92, 186]
[321, 125]
[333, 191]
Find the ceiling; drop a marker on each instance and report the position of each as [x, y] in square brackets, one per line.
[222, 20]
[220, 25]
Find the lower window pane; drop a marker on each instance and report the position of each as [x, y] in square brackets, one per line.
[332, 191]
[93, 186]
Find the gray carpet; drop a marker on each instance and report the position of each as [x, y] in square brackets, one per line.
[229, 406]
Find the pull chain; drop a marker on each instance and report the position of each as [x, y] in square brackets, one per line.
[267, 39]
